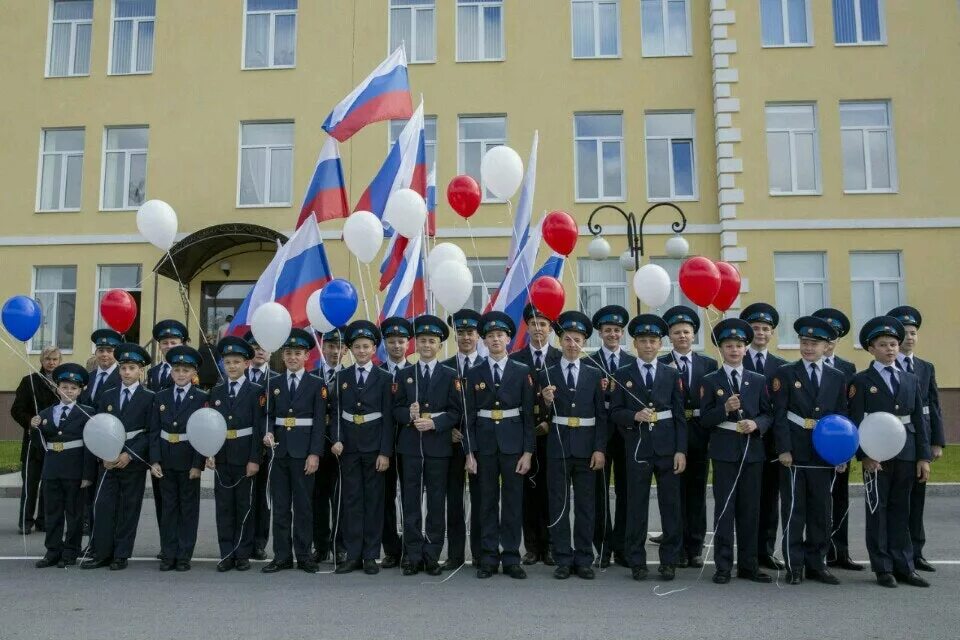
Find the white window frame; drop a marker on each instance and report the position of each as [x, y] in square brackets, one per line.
[127, 153]
[487, 145]
[98, 289]
[479, 6]
[599, 140]
[134, 42]
[63, 170]
[860, 42]
[604, 286]
[664, 4]
[673, 197]
[273, 13]
[789, 339]
[267, 165]
[785, 19]
[33, 294]
[409, 47]
[877, 310]
[595, 4]
[891, 147]
[73, 44]
[792, 135]
[474, 262]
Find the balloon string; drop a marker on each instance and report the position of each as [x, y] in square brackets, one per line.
[186, 296]
[476, 255]
[376, 295]
[363, 290]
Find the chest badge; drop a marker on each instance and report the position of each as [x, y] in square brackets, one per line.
[344, 386]
[276, 392]
[163, 407]
[873, 389]
[629, 384]
[110, 407]
[409, 380]
[44, 421]
[797, 384]
[719, 393]
[776, 384]
[483, 385]
[217, 403]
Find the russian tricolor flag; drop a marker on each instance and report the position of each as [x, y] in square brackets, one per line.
[326, 197]
[383, 95]
[407, 296]
[552, 267]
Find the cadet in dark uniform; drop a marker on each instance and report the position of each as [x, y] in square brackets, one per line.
[647, 408]
[168, 334]
[883, 387]
[104, 377]
[427, 407]
[499, 408]
[259, 372]
[326, 488]
[684, 324]
[735, 406]
[175, 462]
[396, 333]
[573, 395]
[122, 481]
[763, 319]
[296, 429]
[932, 418]
[242, 404]
[67, 466]
[804, 392]
[610, 322]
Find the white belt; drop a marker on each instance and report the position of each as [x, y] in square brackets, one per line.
[233, 434]
[293, 422]
[63, 446]
[806, 423]
[926, 411]
[133, 434]
[174, 438]
[661, 415]
[574, 422]
[903, 419]
[361, 418]
[498, 414]
[729, 426]
[692, 413]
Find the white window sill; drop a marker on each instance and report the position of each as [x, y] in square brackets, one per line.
[871, 192]
[69, 75]
[131, 73]
[599, 200]
[599, 57]
[799, 45]
[666, 55]
[433, 61]
[481, 60]
[269, 67]
[265, 205]
[105, 210]
[782, 194]
[676, 199]
[77, 210]
[882, 43]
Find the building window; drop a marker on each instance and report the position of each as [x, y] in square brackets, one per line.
[792, 152]
[672, 267]
[487, 275]
[479, 30]
[55, 288]
[595, 25]
[70, 27]
[413, 25]
[124, 168]
[785, 23]
[869, 162]
[671, 166]
[429, 137]
[598, 142]
[602, 282]
[858, 22]
[801, 286]
[876, 284]
[119, 276]
[666, 27]
[266, 164]
[61, 170]
[132, 49]
[478, 134]
[270, 34]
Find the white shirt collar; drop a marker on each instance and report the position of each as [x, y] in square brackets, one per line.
[677, 355]
[106, 371]
[727, 369]
[471, 356]
[542, 350]
[565, 364]
[186, 388]
[882, 368]
[132, 388]
[365, 367]
[262, 368]
[239, 382]
[298, 374]
[503, 363]
[643, 369]
[429, 365]
[902, 357]
[68, 407]
[395, 365]
[753, 353]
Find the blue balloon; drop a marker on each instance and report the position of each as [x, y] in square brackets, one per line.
[22, 317]
[338, 301]
[836, 439]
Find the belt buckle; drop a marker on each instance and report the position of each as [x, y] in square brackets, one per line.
[426, 415]
[653, 420]
[231, 434]
[496, 414]
[688, 413]
[289, 422]
[58, 447]
[359, 418]
[173, 438]
[573, 422]
[809, 423]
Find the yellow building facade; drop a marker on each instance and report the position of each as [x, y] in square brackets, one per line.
[809, 142]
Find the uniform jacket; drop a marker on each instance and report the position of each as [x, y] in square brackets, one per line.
[584, 401]
[697, 436]
[179, 456]
[376, 396]
[793, 392]
[247, 410]
[869, 393]
[443, 397]
[67, 464]
[726, 445]
[135, 416]
[666, 436]
[309, 403]
[513, 435]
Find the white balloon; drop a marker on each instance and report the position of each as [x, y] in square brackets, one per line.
[406, 212]
[206, 431]
[271, 325]
[452, 284]
[882, 436]
[677, 247]
[627, 261]
[444, 252]
[599, 248]
[315, 314]
[651, 283]
[363, 234]
[501, 171]
[104, 436]
[157, 222]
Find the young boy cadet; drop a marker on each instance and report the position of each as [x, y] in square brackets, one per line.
[67, 466]
[427, 407]
[572, 398]
[117, 511]
[396, 333]
[882, 387]
[168, 334]
[260, 373]
[647, 408]
[499, 408]
[326, 489]
[735, 406]
[804, 392]
[295, 431]
[363, 435]
[175, 462]
[104, 376]
[242, 405]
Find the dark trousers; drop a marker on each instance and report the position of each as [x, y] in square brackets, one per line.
[693, 501]
[292, 491]
[560, 475]
[456, 511]
[806, 507]
[839, 542]
[639, 476]
[500, 527]
[609, 529]
[392, 478]
[536, 537]
[63, 510]
[31, 464]
[181, 515]
[326, 505]
[769, 508]
[157, 498]
[888, 527]
[261, 506]
[738, 502]
[424, 476]
[918, 537]
[233, 493]
[362, 506]
[117, 511]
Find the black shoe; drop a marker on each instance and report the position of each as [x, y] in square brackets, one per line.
[682, 563]
[561, 573]
[46, 561]
[39, 527]
[515, 571]
[90, 563]
[451, 563]
[348, 566]
[485, 571]
[273, 566]
[119, 564]
[308, 566]
[341, 557]
[66, 562]
[912, 579]
[667, 572]
[25, 531]
[922, 565]
[243, 565]
[320, 556]
[619, 560]
[795, 577]
[166, 565]
[548, 559]
[822, 575]
[182, 565]
[370, 567]
[640, 573]
[604, 561]
[530, 558]
[754, 576]
[846, 562]
[410, 570]
[389, 562]
[434, 569]
[721, 577]
[226, 564]
[656, 539]
[259, 554]
[695, 562]
[584, 572]
[769, 562]
[159, 556]
[886, 580]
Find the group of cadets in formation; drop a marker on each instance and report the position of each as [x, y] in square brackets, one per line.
[540, 434]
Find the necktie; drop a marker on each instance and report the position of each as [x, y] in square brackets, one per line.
[179, 399]
[125, 399]
[465, 366]
[537, 359]
[63, 415]
[571, 382]
[759, 363]
[329, 375]
[685, 368]
[909, 363]
[814, 379]
[894, 383]
[257, 375]
[293, 383]
[100, 378]
[233, 390]
[164, 372]
[648, 375]
[735, 381]
[496, 374]
[360, 379]
[425, 379]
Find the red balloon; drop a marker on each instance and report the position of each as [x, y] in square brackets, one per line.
[118, 309]
[729, 286]
[560, 231]
[547, 296]
[700, 280]
[463, 194]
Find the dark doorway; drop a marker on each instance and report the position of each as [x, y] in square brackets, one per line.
[219, 300]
